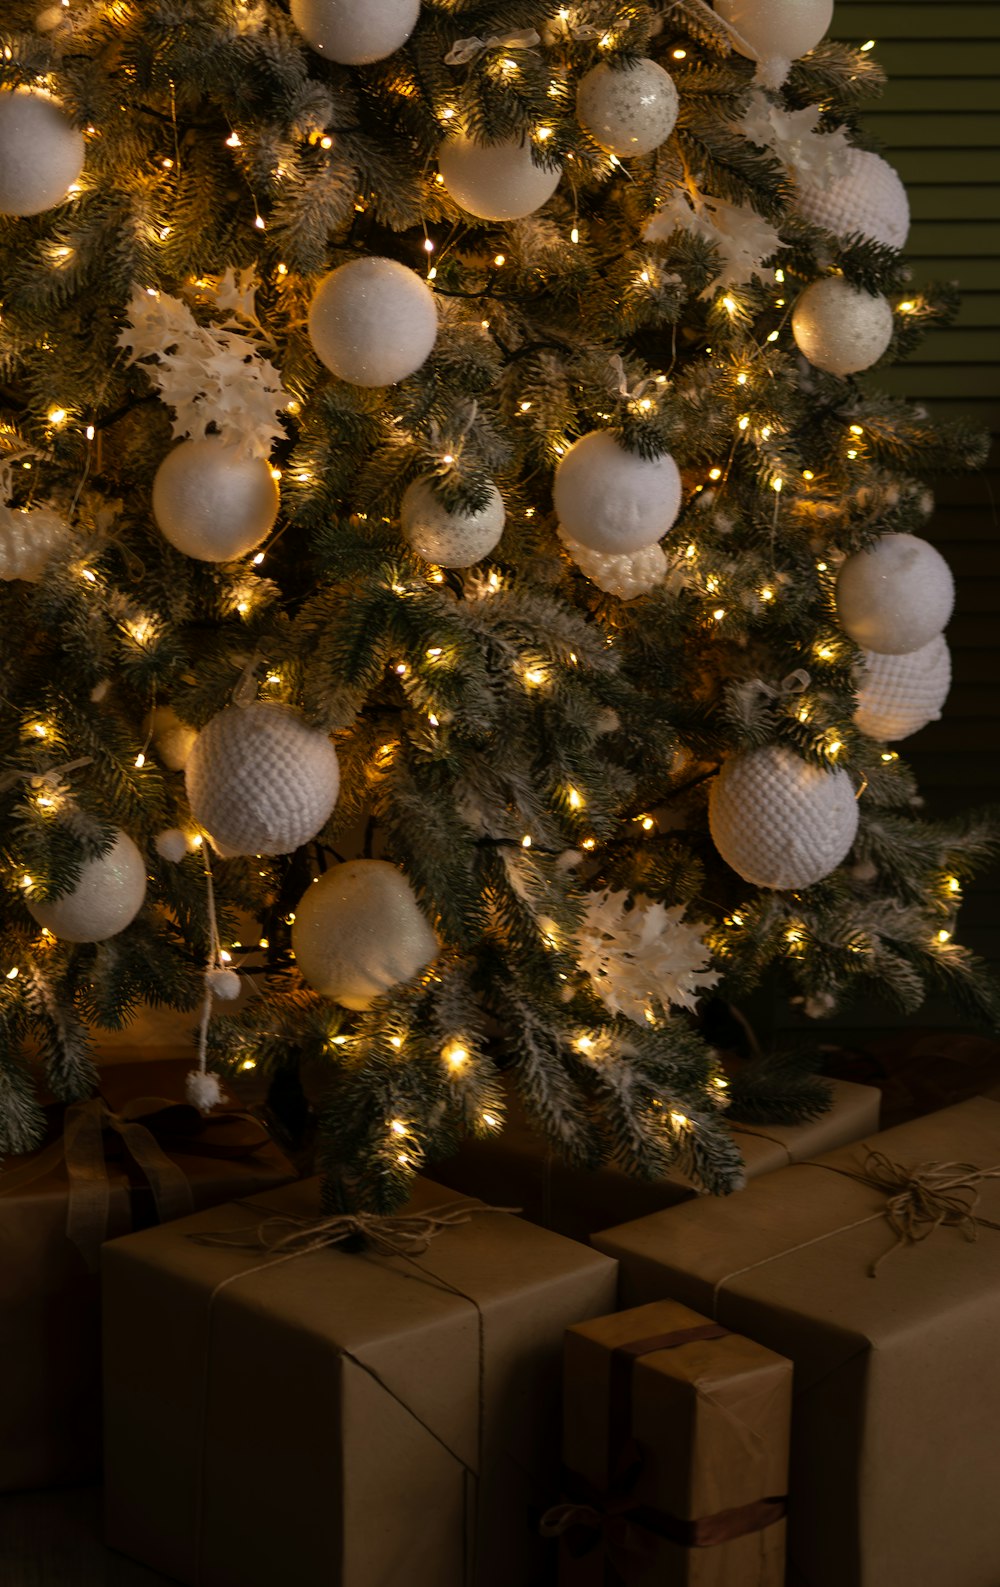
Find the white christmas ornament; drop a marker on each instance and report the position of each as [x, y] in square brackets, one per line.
[224, 984]
[779, 821]
[373, 322]
[203, 1090]
[766, 30]
[107, 897]
[41, 153]
[613, 501]
[840, 328]
[359, 931]
[628, 110]
[172, 739]
[211, 503]
[495, 181]
[898, 695]
[795, 137]
[451, 539]
[896, 596]
[171, 845]
[29, 537]
[355, 32]
[862, 194]
[260, 780]
[639, 957]
[741, 237]
[631, 574]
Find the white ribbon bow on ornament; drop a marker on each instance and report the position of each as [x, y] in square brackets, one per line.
[633, 393]
[50, 779]
[797, 682]
[453, 449]
[465, 50]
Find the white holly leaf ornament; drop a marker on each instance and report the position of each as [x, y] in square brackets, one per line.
[642, 957]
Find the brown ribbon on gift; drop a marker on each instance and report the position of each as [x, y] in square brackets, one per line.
[402, 1234]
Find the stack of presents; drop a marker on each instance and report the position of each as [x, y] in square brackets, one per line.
[625, 1384]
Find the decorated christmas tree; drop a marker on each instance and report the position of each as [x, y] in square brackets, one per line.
[461, 590]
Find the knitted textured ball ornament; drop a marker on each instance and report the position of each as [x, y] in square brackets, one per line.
[260, 781]
[172, 739]
[634, 573]
[211, 503]
[355, 32]
[373, 322]
[614, 501]
[839, 328]
[495, 181]
[865, 196]
[896, 596]
[451, 539]
[776, 29]
[41, 153]
[898, 695]
[29, 537]
[104, 901]
[359, 932]
[628, 110]
[779, 821]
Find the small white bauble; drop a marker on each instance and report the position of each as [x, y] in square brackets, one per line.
[898, 695]
[776, 29]
[634, 573]
[779, 821]
[172, 739]
[628, 110]
[896, 596]
[359, 932]
[865, 196]
[840, 328]
[452, 539]
[614, 501]
[211, 503]
[41, 153]
[495, 181]
[104, 901]
[171, 845]
[373, 322]
[260, 780]
[29, 537]
[355, 32]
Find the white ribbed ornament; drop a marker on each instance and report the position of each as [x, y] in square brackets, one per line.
[359, 931]
[898, 695]
[495, 181]
[779, 821]
[896, 596]
[865, 196]
[776, 29]
[628, 110]
[105, 900]
[211, 503]
[840, 328]
[614, 501]
[28, 538]
[373, 322]
[355, 32]
[451, 539]
[41, 153]
[631, 574]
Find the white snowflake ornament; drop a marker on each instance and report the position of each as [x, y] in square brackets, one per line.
[742, 238]
[642, 956]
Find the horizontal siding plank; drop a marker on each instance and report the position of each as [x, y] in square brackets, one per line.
[972, 166]
[938, 58]
[955, 129]
[953, 200]
[969, 238]
[934, 96]
[860, 21]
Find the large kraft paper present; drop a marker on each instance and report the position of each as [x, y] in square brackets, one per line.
[306, 1415]
[519, 1165]
[862, 1269]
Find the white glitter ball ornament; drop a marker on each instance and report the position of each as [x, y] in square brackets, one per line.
[260, 780]
[779, 821]
[896, 596]
[451, 539]
[898, 695]
[41, 153]
[495, 181]
[355, 32]
[634, 573]
[776, 29]
[612, 500]
[172, 739]
[864, 196]
[840, 328]
[373, 322]
[104, 901]
[28, 539]
[628, 110]
[359, 931]
[211, 503]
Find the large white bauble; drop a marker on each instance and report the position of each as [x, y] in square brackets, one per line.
[452, 539]
[260, 780]
[359, 932]
[104, 901]
[29, 537]
[898, 695]
[211, 503]
[173, 739]
[779, 821]
[495, 181]
[840, 328]
[896, 596]
[865, 196]
[776, 29]
[634, 573]
[614, 501]
[628, 110]
[355, 32]
[373, 322]
[41, 153]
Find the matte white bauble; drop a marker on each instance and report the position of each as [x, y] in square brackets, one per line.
[359, 931]
[631, 574]
[355, 32]
[776, 29]
[452, 539]
[865, 196]
[260, 780]
[628, 110]
[41, 153]
[173, 740]
[896, 596]
[840, 328]
[211, 503]
[495, 181]
[612, 500]
[779, 821]
[898, 695]
[104, 901]
[29, 538]
[373, 322]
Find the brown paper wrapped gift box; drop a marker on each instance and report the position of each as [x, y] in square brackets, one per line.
[895, 1443]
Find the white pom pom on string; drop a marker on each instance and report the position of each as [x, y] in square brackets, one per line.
[224, 984]
[203, 1090]
[171, 844]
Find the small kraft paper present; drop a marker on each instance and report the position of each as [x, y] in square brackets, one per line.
[675, 1449]
[116, 1162]
[280, 1409]
[876, 1270]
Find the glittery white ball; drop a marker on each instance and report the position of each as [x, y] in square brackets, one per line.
[896, 596]
[615, 501]
[355, 32]
[211, 503]
[779, 821]
[495, 181]
[634, 573]
[452, 539]
[104, 901]
[840, 328]
[260, 780]
[898, 695]
[41, 153]
[865, 196]
[373, 322]
[776, 28]
[173, 740]
[28, 539]
[359, 931]
[628, 110]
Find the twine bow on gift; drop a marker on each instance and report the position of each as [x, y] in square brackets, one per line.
[927, 1197]
[465, 50]
[402, 1234]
